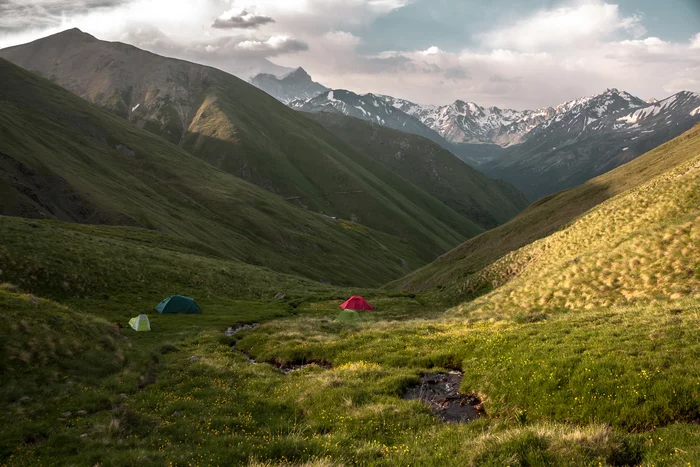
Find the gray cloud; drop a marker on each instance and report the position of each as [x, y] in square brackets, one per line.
[20, 15]
[457, 74]
[237, 54]
[242, 21]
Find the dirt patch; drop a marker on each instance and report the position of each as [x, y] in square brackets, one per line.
[440, 391]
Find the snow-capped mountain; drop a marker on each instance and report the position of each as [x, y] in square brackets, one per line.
[590, 136]
[468, 122]
[370, 107]
[571, 119]
[290, 87]
[539, 151]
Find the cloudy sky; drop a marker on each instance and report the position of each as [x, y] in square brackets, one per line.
[510, 53]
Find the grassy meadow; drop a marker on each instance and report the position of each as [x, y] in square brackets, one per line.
[584, 352]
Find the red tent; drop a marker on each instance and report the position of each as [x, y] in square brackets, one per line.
[356, 303]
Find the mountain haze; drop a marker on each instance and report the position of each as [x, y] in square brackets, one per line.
[291, 87]
[539, 151]
[589, 137]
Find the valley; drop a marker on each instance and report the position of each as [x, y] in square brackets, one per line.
[484, 329]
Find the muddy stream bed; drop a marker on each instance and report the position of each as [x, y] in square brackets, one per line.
[440, 392]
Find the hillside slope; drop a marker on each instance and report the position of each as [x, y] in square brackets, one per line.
[63, 158]
[430, 167]
[638, 247]
[245, 132]
[455, 273]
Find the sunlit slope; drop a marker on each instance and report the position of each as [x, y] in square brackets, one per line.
[460, 274]
[65, 159]
[641, 246]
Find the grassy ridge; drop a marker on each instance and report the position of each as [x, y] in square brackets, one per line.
[640, 246]
[62, 260]
[116, 173]
[458, 272]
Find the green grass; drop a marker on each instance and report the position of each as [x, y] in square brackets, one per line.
[456, 274]
[568, 390]
[61, 260]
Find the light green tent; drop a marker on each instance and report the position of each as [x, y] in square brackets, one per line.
[347, 316]
[140, 323]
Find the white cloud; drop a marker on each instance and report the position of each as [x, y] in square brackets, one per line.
[272, 46]
[432, 51]
[241, 19]
[587, 22]
[695, 42]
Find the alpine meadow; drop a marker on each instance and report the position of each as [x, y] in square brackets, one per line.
[371, 233]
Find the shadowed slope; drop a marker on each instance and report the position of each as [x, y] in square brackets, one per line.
[430, 167]
[115, 173]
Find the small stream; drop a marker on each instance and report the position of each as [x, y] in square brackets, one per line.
[286, 369]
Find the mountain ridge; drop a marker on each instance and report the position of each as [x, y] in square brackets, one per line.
[245, 132]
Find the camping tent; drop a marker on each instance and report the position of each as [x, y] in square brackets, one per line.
[178, 304]
[140, 323]
[348, 316]
[356, 303]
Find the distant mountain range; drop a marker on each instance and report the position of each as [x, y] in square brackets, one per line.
[540, 151]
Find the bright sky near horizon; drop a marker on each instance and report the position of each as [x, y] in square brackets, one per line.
[510, 53]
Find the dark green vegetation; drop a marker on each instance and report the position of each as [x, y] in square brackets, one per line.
[249, 134]
[65, 159]
[430, 167]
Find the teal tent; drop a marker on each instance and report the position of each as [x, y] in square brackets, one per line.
[178, 304]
